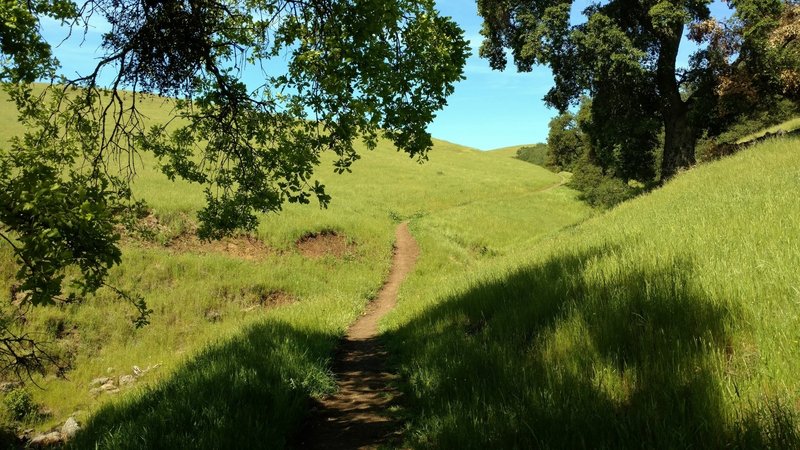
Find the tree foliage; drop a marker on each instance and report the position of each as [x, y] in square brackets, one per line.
[749, 64]
[329, 72]
[624, 56]
[534, 154]
[564, 142]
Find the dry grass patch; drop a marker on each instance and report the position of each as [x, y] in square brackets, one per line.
[258, 296]
[272, 299]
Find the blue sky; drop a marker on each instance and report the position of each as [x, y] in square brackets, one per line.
[488, 110]
[491, 109]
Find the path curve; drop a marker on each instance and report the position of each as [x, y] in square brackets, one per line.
[554, 186]
[357, 416]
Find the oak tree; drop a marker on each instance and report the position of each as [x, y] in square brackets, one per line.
[624, 55]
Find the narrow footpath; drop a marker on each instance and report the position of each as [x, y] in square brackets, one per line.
[357, 416]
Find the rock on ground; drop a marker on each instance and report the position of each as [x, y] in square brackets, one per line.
[9, 386]
[70, 428]
[99, 381]
[46, 440]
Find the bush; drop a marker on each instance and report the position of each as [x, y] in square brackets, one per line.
[565, 142]
[534, 154]
[610, 192]
[599, 189]
[755, 122]
[748, 129]
[20, 405]
[586, 175]
[708, 149]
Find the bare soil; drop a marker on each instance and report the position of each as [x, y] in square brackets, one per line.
[323, 243]
[243, 247]
[358, 416]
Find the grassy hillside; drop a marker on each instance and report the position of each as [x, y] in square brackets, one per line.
[510, 152]
[243, 330]
[788, 126]
[672, 321]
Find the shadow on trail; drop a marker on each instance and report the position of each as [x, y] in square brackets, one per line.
[579, 351]
[249, 392]
[362, 417]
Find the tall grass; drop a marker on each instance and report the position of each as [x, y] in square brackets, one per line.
[671, 322]
[245, 392]
[229, 370]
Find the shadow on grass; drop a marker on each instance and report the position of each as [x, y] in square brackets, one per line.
[578, 352]
[249, 392]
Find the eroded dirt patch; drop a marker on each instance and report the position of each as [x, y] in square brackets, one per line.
[324, 243]
[243, 246]
[151, 233]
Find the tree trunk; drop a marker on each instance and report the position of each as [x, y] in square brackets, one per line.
[679, 135]
[679, 140]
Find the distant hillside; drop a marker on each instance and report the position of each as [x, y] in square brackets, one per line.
[510, 152]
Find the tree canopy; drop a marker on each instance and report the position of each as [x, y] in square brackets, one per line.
[624, 56]
[564, 142]
[330, 72]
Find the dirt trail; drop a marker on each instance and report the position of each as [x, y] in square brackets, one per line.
[357, 416]
[553, 187]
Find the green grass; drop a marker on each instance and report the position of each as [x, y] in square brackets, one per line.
[245, 377]
[672, 321]
[530, 321]
[788, 126]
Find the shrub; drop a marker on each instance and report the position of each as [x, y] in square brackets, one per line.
[599, 189]
[586, 175]
[565, 142]
[610, 192]
[534, 154]
[20, 404]
[758, 120]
